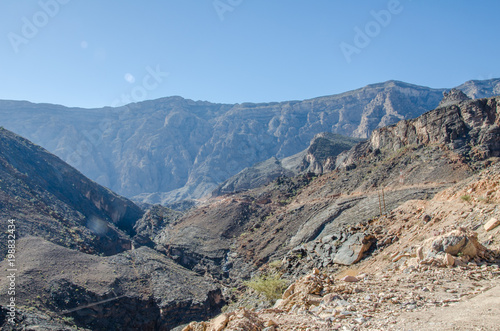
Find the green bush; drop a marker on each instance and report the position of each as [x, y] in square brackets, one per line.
[271, 286]
[465, 198]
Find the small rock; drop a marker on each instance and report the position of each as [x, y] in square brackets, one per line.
[449, 260]
[342, 303]
[420, 253]
[350, 279]
[271, 323]
[360, 320]
[491, 224]
[278, 303]
[220, 322]
[329, 298]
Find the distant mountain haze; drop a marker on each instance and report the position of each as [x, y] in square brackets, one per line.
[171, 149]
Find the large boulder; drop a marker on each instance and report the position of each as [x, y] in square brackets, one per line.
[352, 250]
[457, 242]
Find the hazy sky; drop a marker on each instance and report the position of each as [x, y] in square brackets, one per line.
[91, 53]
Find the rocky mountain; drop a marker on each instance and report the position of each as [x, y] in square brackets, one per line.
[476, 89]
[414, 159]
[320, 156]
[141, 289]
[77, 258]
[413, 208]
[172, 148]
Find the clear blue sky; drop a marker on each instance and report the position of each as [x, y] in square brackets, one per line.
[91, 53]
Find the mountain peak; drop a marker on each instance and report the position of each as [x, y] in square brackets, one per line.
[452, 97]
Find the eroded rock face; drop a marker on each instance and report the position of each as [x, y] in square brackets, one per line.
[321, 155]
[471, 128]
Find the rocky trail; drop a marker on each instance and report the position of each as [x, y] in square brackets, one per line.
[427, 298]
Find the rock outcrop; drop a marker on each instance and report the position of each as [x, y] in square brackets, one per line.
[258, 175]
[352, 250]
[471, 129]
[454, 96]
[318, 158]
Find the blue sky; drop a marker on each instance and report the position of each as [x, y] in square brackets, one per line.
[91, 53]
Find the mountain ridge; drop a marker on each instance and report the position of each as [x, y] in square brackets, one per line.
[187, 148]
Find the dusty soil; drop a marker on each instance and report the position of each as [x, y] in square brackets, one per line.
[479, 313]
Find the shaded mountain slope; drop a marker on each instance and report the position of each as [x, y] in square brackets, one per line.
[50, 199]
[65, 225]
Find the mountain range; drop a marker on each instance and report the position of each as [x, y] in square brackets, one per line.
[91, 259]
[170, 149]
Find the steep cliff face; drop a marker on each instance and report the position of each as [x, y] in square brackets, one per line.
[471, 128]
[47, 197]
[322, 154]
